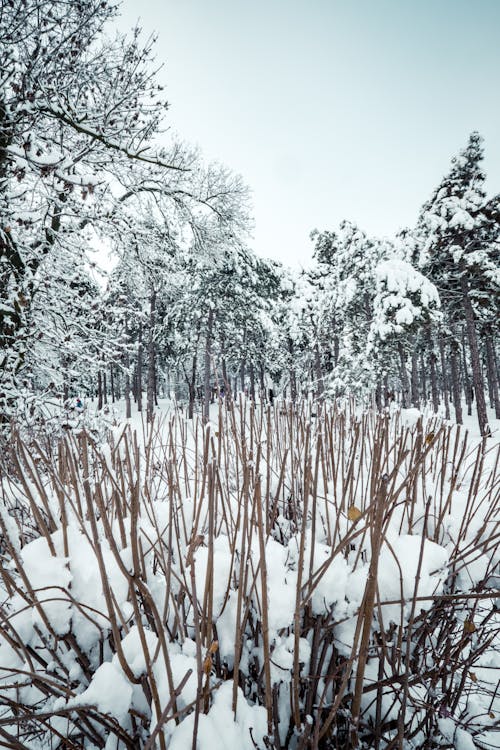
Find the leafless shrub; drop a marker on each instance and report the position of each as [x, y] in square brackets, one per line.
[284, 553]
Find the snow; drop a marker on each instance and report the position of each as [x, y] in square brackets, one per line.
[109, 691]
[219, 729]
[403, 296]
[407, 566]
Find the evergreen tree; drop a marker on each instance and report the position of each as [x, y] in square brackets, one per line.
[460, 253]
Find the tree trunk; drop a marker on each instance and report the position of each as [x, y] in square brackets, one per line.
[424, 379]
[433, 375]
[192, 387]
[336, 350]
[387, 398]
[455, 381]
[243, 376]
[492, 372]
[414, 381]
[99, 391]
[477, 377]
[252, 382]
[466, 378]
[207, 367]
[444, 377]
[320, 387]
[225, 379]
[293, 379]
[128, 405]
[405, 383]
[138, 377]
[151, 386]
[112, 383]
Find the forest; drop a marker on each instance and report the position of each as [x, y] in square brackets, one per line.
[240, 502]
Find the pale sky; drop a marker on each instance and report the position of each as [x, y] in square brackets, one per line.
[330, 109]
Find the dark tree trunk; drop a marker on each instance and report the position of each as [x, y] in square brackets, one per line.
[243, 375]
[225, 379]
[138, 376]
[262, 383]
[433, 374]
[492, 373]
[151, 386]
[403, 373]
[414, 380]
[252, 381]
[444, 376]
[128, 384]
[336, 348]
[99, 391]
[207, 367]
[104, 387]
[191, 382]
[293, 378]
[112, 383]
[466, 378]
[320, 387]
[455, 381]
[423, 378]
[477, 377]
[128, 405]
[387, 396]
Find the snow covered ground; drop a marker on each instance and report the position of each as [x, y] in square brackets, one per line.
[254, 581]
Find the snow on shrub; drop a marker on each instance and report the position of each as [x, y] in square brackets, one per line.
[255, 589]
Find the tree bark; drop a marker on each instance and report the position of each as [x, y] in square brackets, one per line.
[104, 387]
[414, 380]
[252, 382]
[128, 405]
[151, 386]
[492, 372]
[225, 379]
[243, 375]
[262, 383]
[444, 377]
[191, 383]
[477, 377]
[207, 367]
[405, 383]
[433, 376]
[424, 379]
[320, 386]
[138, 376]
[112, 383]
[455, 381]
[99, 391]
[293, 379]
[466, 378]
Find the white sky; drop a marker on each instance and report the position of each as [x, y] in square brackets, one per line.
[330, 109]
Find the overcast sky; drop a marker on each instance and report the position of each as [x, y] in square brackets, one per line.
[330, 109]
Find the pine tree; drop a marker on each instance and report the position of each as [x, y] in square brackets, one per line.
[460, 253]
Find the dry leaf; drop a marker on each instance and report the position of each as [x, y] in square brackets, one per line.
[213, 647]
[473, 676]
[429, 438]
[353, 513]
[207, 664]
[469, 627]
